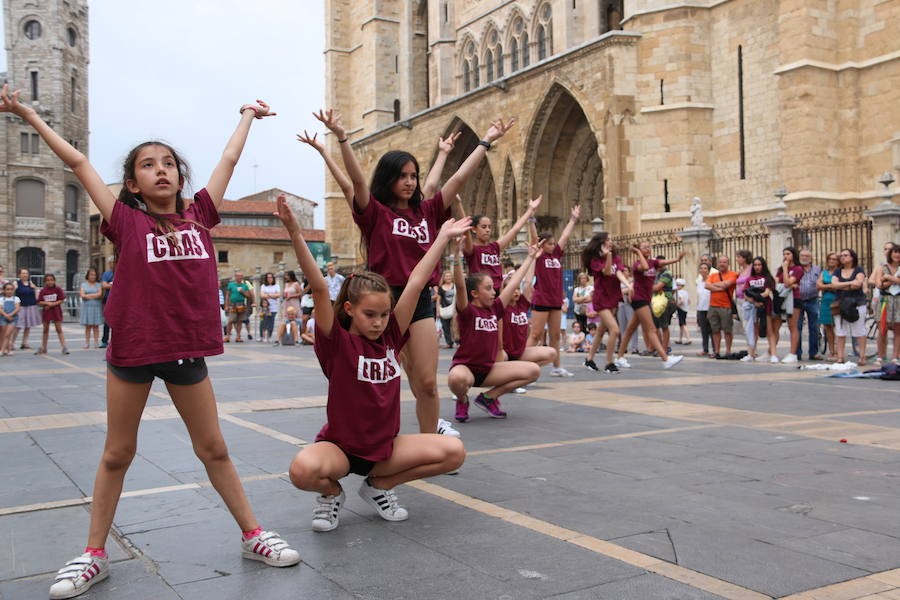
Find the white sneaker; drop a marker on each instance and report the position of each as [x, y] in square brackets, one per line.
[773, 359]
[520, 391]
[622, 363]
[79, 575]
[761, 358]
[325, 514]
[268, 547]
[383, 501]
[445, 428]
[672, 361]
[747, 358]
[556, 372]
[789, 359]
[563, 372]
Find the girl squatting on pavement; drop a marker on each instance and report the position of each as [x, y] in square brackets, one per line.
[166, 266]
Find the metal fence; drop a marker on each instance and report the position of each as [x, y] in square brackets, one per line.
[831, 230]
[750, 235]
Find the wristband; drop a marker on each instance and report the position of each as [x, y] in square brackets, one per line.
[342, 141]
[248, 107]
[532, 220]
[485, 143]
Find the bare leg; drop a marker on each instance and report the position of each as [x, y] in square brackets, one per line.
[629, 331]
[795, 332]
[539, 355]
[318, 467]
[645, 317]
[554, 318]
[420, 362]
[45, 336]
[895, 327]
[504, 377]
[460, 380]
[197, 406]
[418, 456]
[536, 334]
[59, 333]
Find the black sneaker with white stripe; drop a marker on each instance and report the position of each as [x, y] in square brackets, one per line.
[383, 501]
[611, 368]
[590, 364]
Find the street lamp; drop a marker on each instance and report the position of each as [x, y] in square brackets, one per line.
[780, 194]
[887, 178]
[597, 225]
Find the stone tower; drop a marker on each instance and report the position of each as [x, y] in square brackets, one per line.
[44, 220]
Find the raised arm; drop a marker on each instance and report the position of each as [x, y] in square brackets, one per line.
[507, 293]
[459, 278]
[406, 305]
[221, 175]
[573, 218]
[507, 238]
[100, 195]
[470, 165]
[467, 242]
[445, 147]
[528, 291]
[641, 258]
[323, 311]
[672, 261]
[332, 121]
[339, 176]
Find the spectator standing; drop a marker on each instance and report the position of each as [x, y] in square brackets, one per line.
[879, 304]
[9, 313]
[826, 313]
[30, 313]
[91, 317]
[271, 291]
[582, 297]
[721, 286]
[747, 308]
[789, 274]
[106, 283]
[849, 280]
[292, 293]
[625, 312]
[447, 297]
[238, 298]
[50, 299]
[888, 281]
[266, 321]
[306, 305]
[334, 280]
[665, 285]
[703, 296]
[760, 291]
[809, 305]
[682, 304]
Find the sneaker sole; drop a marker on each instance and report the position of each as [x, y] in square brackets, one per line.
[371, 502]
[90, 584]
[492, 415]
[269, 561]
[323, 529]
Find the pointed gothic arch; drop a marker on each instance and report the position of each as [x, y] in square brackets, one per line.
[562, 162]
[479, 194]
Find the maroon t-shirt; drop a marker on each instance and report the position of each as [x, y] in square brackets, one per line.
[397, 239]
[796, 273]
[486, 259]
[363, 389]
[478, 337]
[759, 281]
[607, 288]
[165, 304]
[644, 280]
[53, 294]
[548, 290]
[515, 327]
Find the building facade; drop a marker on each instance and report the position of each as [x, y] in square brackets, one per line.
[630, 108]
[44, 223]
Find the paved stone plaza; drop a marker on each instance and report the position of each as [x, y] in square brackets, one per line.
[714, 480]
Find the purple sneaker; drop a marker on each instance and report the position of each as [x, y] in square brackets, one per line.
[462, 410]
[490, 406]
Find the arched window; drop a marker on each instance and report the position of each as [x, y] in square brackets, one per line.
[489, 65]
[493, 58]
[467, 83]
[544, 32]
[32, 30]
[613, 15]
[71, 208]
[33, 260]
[29, 198]
[526, 52]
[470, 67]
[514, 54]
[518, 41]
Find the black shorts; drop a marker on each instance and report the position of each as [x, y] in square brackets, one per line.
[480, 376]
[177, 372]
[636, 304]
[545, 308]
[424, 307]
[307, 310]
[682, 317]
[663, 321]
[358, 466]
[511, 357]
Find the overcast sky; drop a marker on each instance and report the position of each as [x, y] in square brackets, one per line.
[179, 70]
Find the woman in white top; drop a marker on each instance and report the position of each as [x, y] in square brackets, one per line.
[703, 295]
[581, 297]
[271, 291]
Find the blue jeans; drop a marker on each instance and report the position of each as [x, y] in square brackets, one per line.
[809, 308]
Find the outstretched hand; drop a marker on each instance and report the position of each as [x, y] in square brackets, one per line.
[448, 143]
[332, 120]
[260, 108]
[533, 205]
[576, 212]
[534, 250]
[286, 215]
[10, 102]
[498, 129]
[453, 228]
[312, 141]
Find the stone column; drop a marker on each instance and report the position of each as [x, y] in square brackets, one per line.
[885, 224]
[781, 228]
[695, 243]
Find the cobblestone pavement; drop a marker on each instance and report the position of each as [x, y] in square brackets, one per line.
[717, 479]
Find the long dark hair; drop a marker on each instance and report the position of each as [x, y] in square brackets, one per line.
[387, 172]
[290, 277]
[795, 256]
[266, 278]
[353, 288]
[764, 271]
[592, 249]
[163, 224]
[852, 254]
[472, 283]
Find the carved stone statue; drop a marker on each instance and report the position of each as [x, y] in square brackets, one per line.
[697, 214]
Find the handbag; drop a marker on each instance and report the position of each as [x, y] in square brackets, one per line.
[848, 309]
[447, 312]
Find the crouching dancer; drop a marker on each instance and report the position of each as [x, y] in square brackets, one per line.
[357, 343]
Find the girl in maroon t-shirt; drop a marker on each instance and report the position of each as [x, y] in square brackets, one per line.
[789, 273]
[166, 276]
[600, 259]
[358, 341]
[761, 279]
[398, 223]
[516, 324]
[482, 255]
[479, 314]
[645, 270]
[50, 299]
[548, 290]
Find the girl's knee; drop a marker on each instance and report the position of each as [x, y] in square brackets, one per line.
[212, 451]
[455, 454]
[117, 458]
[533, 372]
[304, 473]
